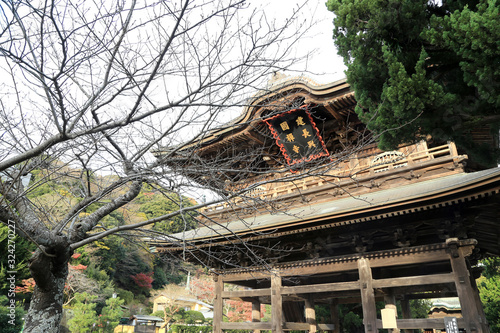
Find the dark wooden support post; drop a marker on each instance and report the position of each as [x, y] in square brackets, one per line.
[256, 313]
[405, 308]
[276, 304]
[475, 292]
[218, 304]
[469, 304]
[310, 313]
[390, 303]
[334, 314]
[367, 296]
[406, 311]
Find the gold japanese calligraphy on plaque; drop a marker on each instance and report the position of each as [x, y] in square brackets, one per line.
[297, 136]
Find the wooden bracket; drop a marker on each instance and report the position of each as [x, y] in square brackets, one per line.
[452, 244]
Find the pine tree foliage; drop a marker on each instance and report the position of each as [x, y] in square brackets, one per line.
[423, 67]
[84, 314]
[489, 290]
[110, 314]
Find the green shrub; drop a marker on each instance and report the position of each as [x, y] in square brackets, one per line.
[193, 317]
[159, 313]
[12, 321]
[191, 329]
[125, 295]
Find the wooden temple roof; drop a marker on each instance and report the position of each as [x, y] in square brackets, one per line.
[445, 191]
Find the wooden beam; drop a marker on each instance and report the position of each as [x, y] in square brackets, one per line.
[320, 288]
[250, 132]
[414, 280]
[425, 295]
[397, 257]
[367, 296]
[434, 323]
[326, 327]
[334, 113]
[287, 326]
[276, 304]
[247, 326]
[218, 304]
[310, 269]
[347, 290]
[247, 293]
[291, 326]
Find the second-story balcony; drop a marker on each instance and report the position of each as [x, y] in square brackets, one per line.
[366, 171]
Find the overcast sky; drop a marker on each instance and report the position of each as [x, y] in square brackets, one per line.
[327, 65]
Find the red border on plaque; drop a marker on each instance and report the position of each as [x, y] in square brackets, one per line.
[290, 160]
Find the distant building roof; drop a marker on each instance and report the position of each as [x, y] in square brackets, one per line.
[194, 300]
[449, 303]
[146, 318]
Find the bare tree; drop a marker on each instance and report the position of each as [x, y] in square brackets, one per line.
[171, 293]
[91, 87]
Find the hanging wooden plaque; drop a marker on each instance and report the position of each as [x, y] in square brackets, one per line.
[297, 136]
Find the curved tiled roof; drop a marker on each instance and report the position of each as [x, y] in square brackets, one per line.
[421, 195]
[314, 90]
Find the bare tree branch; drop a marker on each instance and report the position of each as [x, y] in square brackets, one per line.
[95, 87]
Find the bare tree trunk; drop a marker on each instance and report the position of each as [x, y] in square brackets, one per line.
[160, 71]
[50, 274]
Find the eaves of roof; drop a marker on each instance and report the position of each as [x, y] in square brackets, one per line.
[243, 119]
[439, 191]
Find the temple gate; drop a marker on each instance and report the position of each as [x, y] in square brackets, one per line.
[335, 220]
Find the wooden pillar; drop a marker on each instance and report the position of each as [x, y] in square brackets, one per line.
[218, 304]
[367, 296]
[475, 292]
[405, 308]
[256, 313]
[470, 306]
[406, 311]
[334, 314]
[276, 304]
[390, 303]
[310, 313]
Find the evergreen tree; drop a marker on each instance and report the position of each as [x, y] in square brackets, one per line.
[22, 250]
[422, 67]
[110, 315]
[84, 314]
[158, 203]
[489, 290]
[11, 320]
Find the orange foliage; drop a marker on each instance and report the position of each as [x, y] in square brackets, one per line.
[28, 285]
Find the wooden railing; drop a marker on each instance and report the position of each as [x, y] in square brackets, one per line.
[356, 169]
